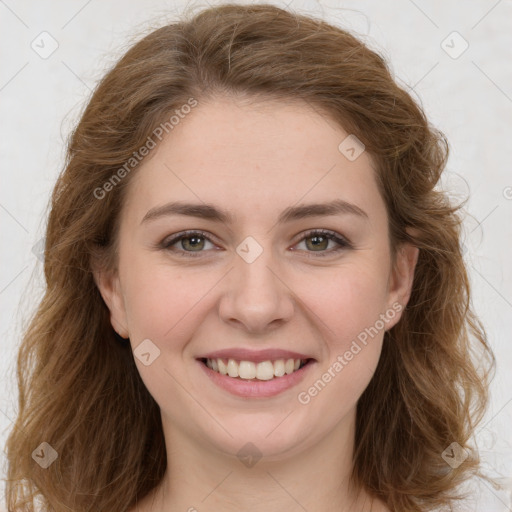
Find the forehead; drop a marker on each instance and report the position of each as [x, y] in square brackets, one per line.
[252, 156]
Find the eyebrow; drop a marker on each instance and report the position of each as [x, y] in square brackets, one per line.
[210, 212]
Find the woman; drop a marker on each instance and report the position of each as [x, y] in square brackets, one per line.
[256, 298]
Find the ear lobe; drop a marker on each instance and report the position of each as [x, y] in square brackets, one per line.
[109, 288]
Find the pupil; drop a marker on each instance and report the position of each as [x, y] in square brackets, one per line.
[192, 240]
[315, 241]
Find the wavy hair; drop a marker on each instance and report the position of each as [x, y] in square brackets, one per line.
[79, 388]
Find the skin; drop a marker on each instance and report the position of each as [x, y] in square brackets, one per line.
[255, 160]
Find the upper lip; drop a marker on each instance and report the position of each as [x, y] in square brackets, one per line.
[256, 356]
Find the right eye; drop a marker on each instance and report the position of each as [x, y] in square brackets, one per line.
[193, 240]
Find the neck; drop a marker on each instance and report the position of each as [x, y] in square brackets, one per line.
[203, 479]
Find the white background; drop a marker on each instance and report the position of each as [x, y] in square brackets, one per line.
[468, 97]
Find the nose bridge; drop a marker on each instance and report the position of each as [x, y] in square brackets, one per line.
[257, 295]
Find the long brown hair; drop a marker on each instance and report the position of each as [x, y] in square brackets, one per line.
[79, 388]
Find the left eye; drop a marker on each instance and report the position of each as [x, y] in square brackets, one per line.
[194, 241]
[320, 240]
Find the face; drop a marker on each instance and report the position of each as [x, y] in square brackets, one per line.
[269, 281]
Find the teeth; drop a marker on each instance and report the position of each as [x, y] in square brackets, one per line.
[223, 369]
[247, 370]
[265, 370]
[232, 368]
[279, 368]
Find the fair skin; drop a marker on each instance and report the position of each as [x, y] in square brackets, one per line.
[254, 161]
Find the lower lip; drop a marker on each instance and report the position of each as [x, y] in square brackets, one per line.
[257, 388]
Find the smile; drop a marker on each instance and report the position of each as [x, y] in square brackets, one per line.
[255, 379]
[249, 370]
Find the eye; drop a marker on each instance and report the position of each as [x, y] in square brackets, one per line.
[320, 239]
[193, 242]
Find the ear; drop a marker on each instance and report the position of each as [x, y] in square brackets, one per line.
[109, 286]
[402, 277]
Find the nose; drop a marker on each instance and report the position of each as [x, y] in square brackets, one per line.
[256, 297]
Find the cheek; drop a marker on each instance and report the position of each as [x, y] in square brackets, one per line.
[160, 299]
[345, 301]
[352, 328]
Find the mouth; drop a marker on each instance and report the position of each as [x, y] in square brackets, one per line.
[255, 373]
[266, 370]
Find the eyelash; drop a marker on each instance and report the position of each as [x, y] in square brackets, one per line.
[330, 235]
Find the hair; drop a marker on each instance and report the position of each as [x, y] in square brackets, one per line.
[79, 388]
